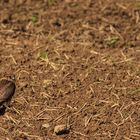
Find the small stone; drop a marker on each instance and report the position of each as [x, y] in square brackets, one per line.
[46, 125]
[61, 129]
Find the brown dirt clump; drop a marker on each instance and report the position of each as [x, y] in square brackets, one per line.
[77, 63]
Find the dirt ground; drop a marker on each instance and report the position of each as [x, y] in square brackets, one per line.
[76, 62]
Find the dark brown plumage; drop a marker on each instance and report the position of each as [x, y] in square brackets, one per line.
[7, 90]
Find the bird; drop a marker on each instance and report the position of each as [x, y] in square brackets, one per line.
[7, 90]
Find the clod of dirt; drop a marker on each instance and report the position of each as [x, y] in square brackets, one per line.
[7, 90]
[61, 129]
[5, 17]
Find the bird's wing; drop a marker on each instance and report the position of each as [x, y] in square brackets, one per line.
[9, 92]
[3, 82]
[7, 89]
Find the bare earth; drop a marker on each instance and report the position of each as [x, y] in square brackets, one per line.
[77, 62]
